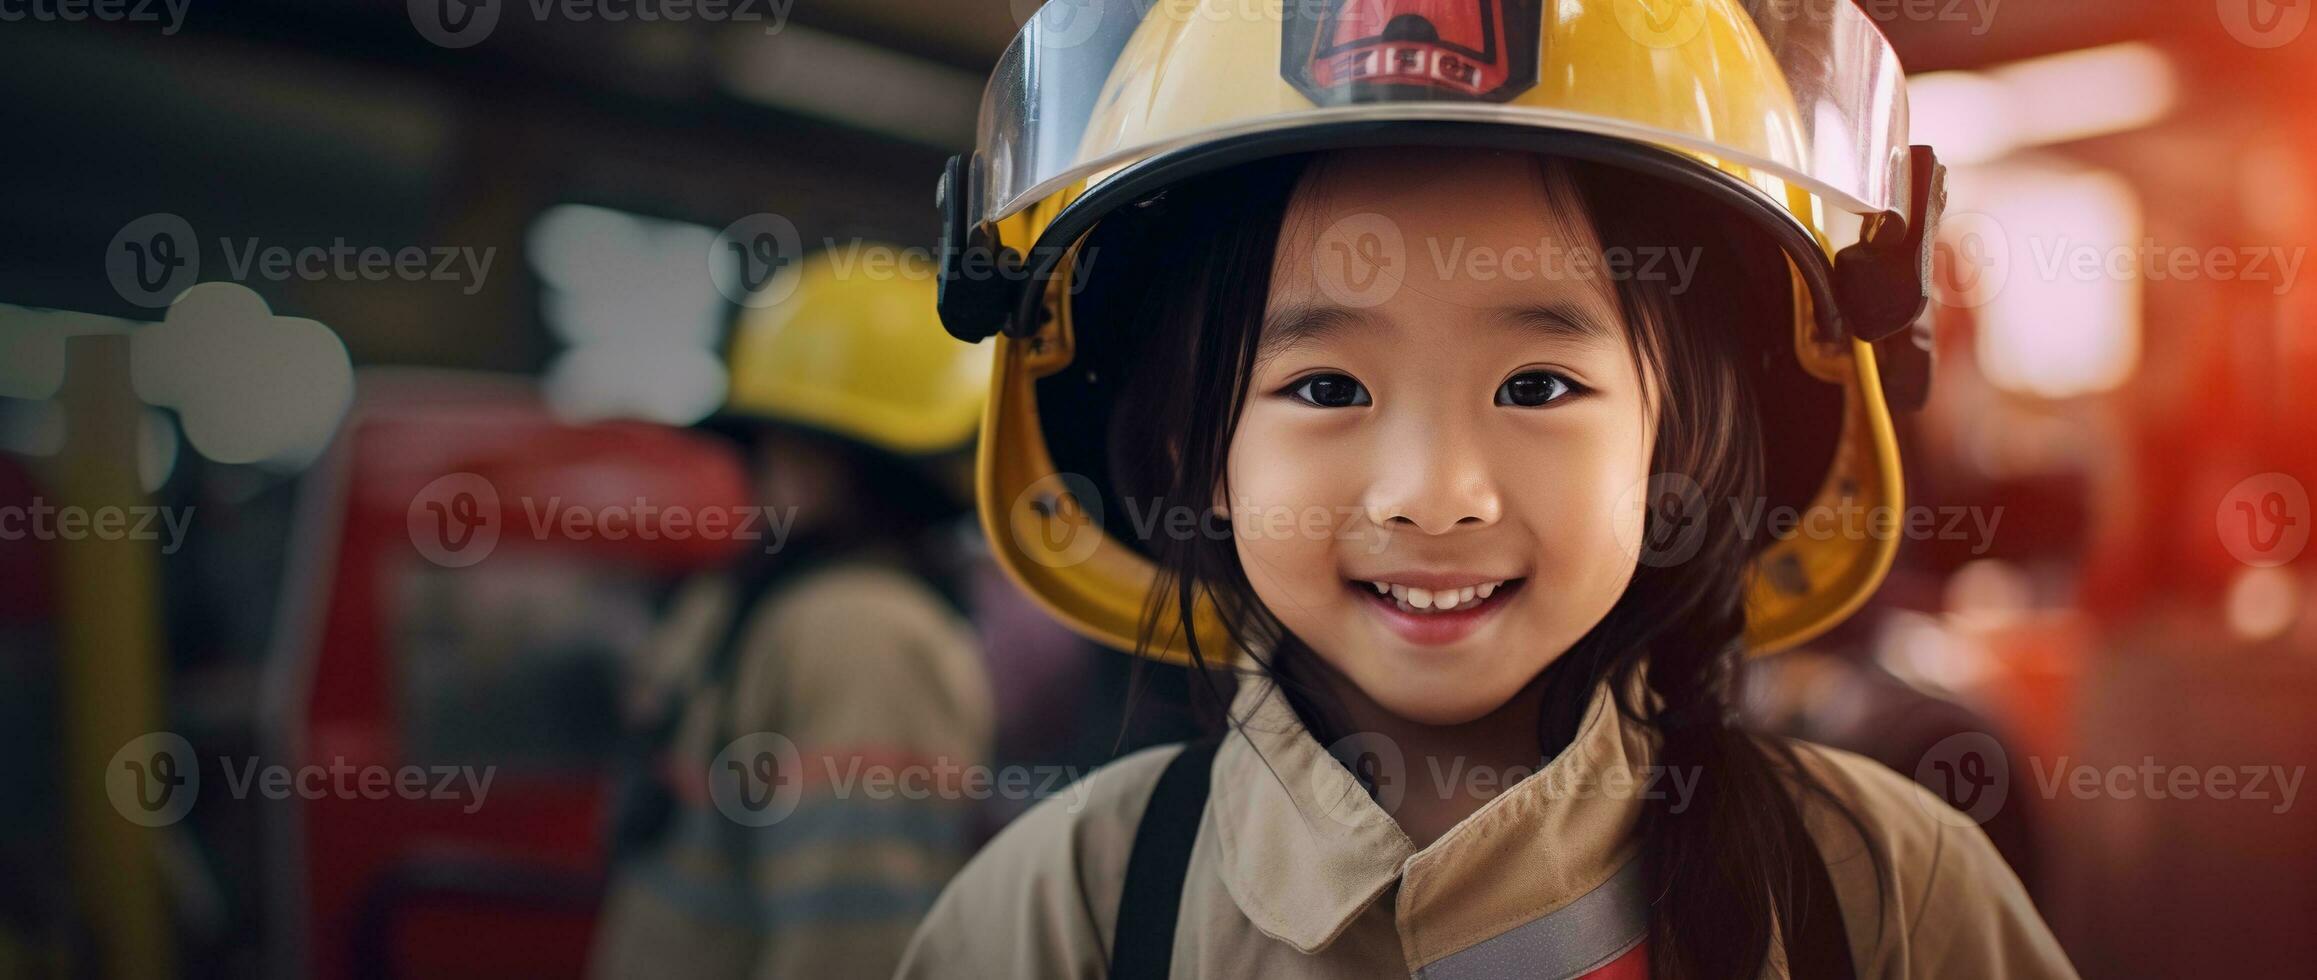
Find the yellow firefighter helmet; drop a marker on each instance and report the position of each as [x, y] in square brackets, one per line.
[1792, 115]
[851, 348]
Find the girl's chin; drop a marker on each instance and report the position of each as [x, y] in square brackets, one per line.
[1443, 715]
[1440, 686]
[1449, 699]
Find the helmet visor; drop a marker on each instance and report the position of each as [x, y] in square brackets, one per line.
[1807, 92]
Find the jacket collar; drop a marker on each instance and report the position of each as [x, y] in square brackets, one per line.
[1304, 849]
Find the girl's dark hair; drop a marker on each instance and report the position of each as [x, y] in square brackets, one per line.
[1727, 862]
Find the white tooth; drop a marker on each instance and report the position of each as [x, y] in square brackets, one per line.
[1403, 605]
[1420, 598]
[1400, 593]
[1487, 587]
[1448, 598]
[1466, 595]
[1381, 588]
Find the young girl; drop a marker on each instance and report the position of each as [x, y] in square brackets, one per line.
[1466, 411]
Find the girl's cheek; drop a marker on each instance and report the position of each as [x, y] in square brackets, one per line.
[1281, 459]
[1572, 490]
[1292, 494]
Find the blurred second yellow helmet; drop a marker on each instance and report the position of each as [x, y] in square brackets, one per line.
[854, 348]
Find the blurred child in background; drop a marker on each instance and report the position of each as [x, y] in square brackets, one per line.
[747, 843]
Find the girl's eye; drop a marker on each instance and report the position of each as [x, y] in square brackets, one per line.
[1532, 389]
[1330, 391]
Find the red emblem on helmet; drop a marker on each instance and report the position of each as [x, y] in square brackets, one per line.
[1342, 51]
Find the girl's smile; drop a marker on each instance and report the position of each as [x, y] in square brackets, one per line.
[1435, 610]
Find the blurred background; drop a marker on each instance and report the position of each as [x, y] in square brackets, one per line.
[429, 249]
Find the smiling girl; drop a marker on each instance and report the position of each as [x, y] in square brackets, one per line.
[1542, 314]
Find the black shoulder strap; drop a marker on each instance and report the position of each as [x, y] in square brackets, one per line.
[1144, 945]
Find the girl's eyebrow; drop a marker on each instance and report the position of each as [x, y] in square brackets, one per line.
[1565, 321]
[1292, 326]
[1560, 320]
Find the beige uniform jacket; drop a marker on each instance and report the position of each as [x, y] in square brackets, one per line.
[1297, 872]
[859, 666]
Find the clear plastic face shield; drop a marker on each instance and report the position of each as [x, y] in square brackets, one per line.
[1807, 92]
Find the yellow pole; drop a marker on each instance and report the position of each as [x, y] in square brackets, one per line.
[112, 670]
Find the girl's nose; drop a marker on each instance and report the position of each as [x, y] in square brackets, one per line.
[1434, 482]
